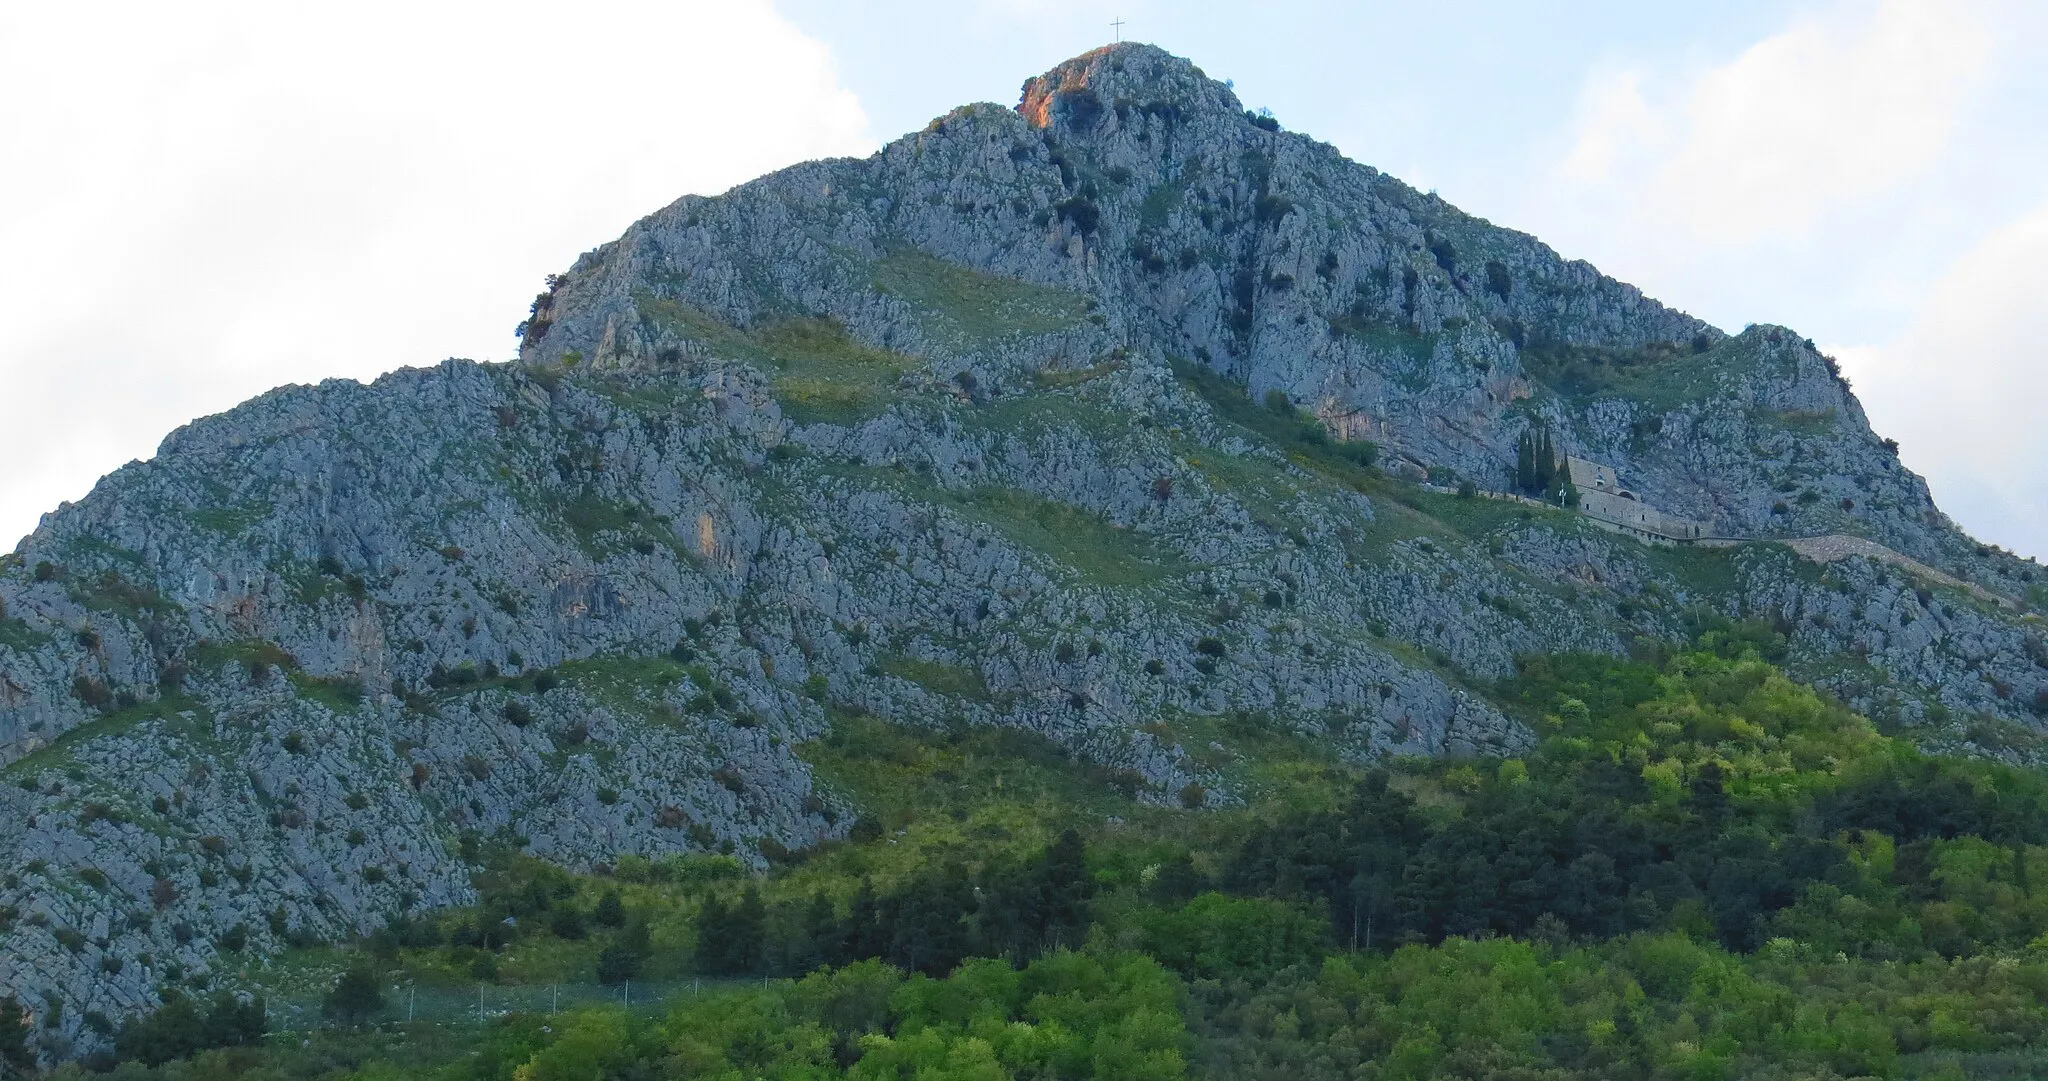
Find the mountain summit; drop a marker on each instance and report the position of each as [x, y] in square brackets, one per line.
[1122, 417]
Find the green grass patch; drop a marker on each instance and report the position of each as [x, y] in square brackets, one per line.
[1661, 375]
[1160, 202]
[17, 634]
[631, 686]
[1477, 517]
[1060, 378]
[341, 694]
[227, 520]
[1799, 421]
[57, 753]
[697, 326]
[209, 655]
[820, 373]
[823, 375]
[1078, 540]
[997, 784]
[1300, 435]
[966, 307]
[116, 595]
[938, 677]
[1706, 572]
[1391, 339]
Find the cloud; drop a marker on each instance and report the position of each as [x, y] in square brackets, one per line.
[1834, 110]
[1963, 390]
[206, 200]
[1847, 174]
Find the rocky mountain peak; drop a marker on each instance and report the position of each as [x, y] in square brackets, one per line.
[1096, 88]
[1123, 419]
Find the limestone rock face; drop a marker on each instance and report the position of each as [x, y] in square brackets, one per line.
[956, 434]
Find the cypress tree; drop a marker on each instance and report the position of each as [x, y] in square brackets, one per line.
[862, 937]
[1066, 888]
[747, 933]
[821, 942]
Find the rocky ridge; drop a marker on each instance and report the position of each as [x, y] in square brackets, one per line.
[978, 430]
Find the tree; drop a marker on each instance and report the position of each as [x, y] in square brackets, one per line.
[610, 911]
[621, 958]
[862, 938]
[355, 997]
[732, 941]
[1065, 887]
[1536, 465]
[180, 1029]
[15, 1057]
[566, 921]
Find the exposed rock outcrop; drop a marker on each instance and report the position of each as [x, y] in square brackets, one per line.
[936, 435]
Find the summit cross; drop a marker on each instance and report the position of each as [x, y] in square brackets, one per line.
[1117, 24]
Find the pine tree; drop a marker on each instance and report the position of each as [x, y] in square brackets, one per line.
[610, 911]
[747, 934]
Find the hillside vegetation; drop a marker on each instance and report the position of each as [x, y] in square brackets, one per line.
[1703, 871]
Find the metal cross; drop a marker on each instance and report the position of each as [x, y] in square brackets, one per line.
[1117, 24]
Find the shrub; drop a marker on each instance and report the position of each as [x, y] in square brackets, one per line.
[1082, 212]
[566, 921]
[181, 1029]
[92, 692]
[355, 997]
[1498, 281]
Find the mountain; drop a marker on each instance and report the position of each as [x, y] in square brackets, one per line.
[1123, 417]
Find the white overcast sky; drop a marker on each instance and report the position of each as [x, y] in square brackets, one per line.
[203, 200]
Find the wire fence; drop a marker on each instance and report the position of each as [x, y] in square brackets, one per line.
[482, 1003]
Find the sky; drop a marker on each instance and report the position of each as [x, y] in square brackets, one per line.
[201, 201]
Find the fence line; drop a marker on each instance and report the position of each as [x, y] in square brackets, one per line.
[481, 1003]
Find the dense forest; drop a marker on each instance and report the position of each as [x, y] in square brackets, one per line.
[1704, 871]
